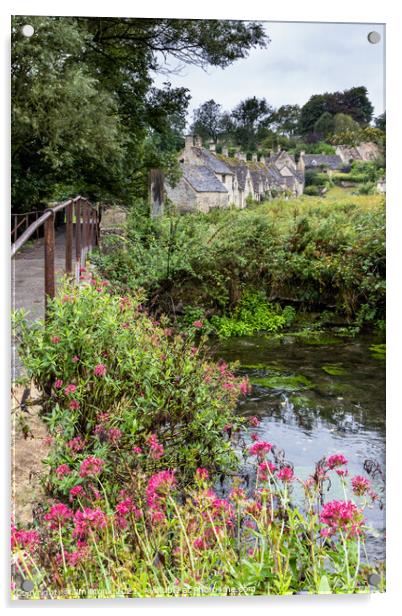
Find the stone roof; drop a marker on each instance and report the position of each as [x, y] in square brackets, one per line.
[211, 161]
[202, 179]
[332, 161]
[240, 168]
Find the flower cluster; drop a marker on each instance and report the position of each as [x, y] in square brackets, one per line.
[342, 516]
[158, 487]
[260, 448]
[156, 449]
[91, 467]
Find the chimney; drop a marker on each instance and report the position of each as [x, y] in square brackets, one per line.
[300, 165]
[225, 150]
[262, 159]
[212, 146]
[197, 141]
[241, 156]
[254, 158]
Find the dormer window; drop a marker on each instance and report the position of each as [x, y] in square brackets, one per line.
[223, 178]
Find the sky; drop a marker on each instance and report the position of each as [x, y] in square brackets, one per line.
[302, 59]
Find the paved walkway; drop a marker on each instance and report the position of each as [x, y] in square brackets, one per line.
[27, 282]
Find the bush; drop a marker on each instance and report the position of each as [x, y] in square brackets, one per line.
[312, 191]
[253, 314]
[114, 379]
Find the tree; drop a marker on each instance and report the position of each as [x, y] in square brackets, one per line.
[252, 118]
[85, 113]
[207, 121]
[343, 123]
[325, 124]
[353, 102]
[380, 122]
[285, 120]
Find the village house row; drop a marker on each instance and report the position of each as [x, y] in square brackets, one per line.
[212, 180]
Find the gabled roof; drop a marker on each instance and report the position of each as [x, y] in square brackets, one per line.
[316, 160]
[211, 161]
[202, 179]
[241, 170]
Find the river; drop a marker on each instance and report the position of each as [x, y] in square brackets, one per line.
[316, 396]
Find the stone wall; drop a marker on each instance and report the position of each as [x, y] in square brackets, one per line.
[182, 196]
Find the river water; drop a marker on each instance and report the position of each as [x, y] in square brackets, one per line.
[316, 396]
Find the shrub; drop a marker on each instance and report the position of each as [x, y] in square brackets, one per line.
[253, 314]
[114, 379]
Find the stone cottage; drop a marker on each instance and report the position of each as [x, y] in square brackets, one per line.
[212, 180]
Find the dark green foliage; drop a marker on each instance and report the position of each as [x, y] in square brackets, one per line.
[305, 251]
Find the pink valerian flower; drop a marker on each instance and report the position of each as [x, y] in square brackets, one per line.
[58, 515]
[76, 491]
[198, 324]
[114, 435]
[158, 486]
[265, 470]
[336, 460]
[76, 444]
[125, 325]
[91, 467]
[77, 557]
[70, 389]
[58, 384]
[286, 474]
[202, 474]
[222, 368]
[156, 448]
[75, 359]
[156, 516]
[360, 485]
[254, 421]
[254, 436]
[260, 448]
[103, 417]
[199, 543]
[55, 339]
[222, 511]
[342, 472]
[228, 386]
[168, 331]
[137, 450]
[87, 521]
[83, 270]
[342, 516]
[25, 539]
[63, 470]
[48, 441]
[244, 386]
[100, 370]
[74, 405]
[124, 509]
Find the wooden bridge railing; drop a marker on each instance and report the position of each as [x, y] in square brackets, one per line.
[87, 218]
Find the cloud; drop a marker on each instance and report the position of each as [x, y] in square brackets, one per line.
[302, 59]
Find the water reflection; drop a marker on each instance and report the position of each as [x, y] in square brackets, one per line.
[317, 414]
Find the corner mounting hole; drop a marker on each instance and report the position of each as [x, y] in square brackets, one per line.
[28, 30]
[374, 37]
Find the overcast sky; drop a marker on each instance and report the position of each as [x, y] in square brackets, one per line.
[302, 59]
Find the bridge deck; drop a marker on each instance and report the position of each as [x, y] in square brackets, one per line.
[27, 282]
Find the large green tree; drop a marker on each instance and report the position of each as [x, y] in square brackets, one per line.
[85, 113]
[207, 121]
[252, 119]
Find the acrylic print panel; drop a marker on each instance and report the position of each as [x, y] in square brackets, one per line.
[199, 301]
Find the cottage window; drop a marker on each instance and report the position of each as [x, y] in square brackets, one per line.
[223, 178]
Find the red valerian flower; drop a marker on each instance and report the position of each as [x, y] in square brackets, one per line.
[26, 539]
[156, 448]
[55, 339]
[76, 444]
[254, 421]
[63, 470]
[360, 485]
[58, 515]
[88, 520]
[158, 486]
[70, 389]
[260, 448]
[286, 474]
[76, 491]
[198, 324]
[58, 383]
[201, 473]
[100, 370]
[342, 516]
[336, 460]
[265, 470]
[91, 467]
[74, 405]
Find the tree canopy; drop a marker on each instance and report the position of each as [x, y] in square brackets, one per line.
[86, 116]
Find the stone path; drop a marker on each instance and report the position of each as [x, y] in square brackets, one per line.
[27, 283]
